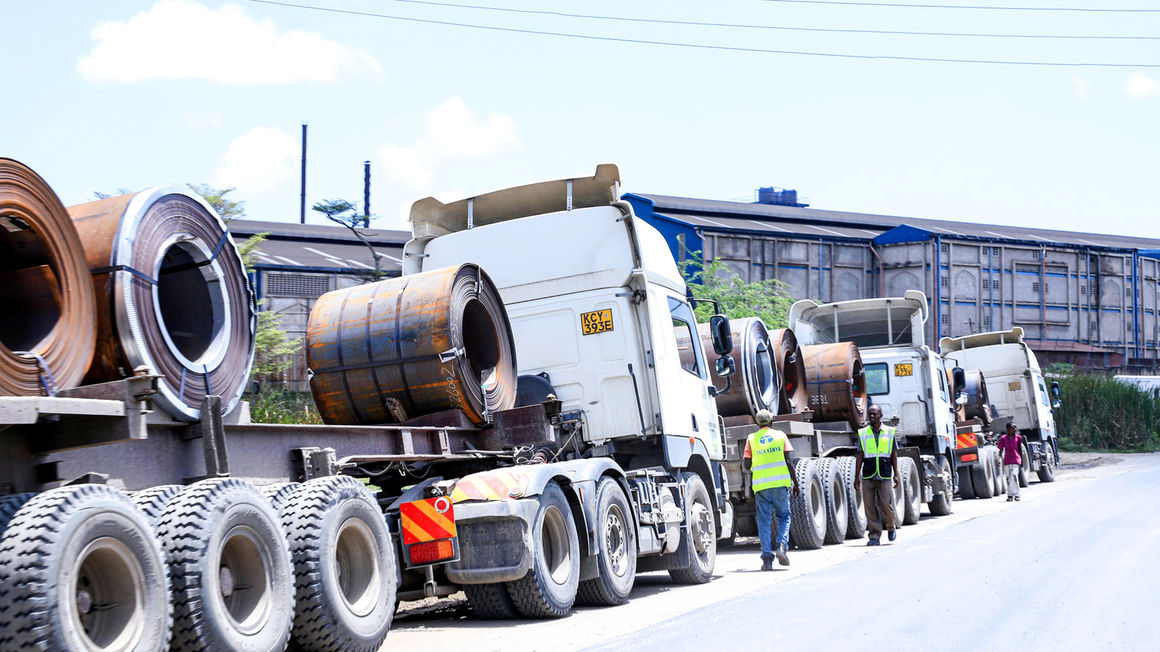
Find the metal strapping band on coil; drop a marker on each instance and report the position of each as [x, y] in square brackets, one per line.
[46, 296]
[194, 314]
[836, 382]
[412, 346]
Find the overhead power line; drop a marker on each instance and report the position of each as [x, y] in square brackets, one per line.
[830, 30]
[704, 46]
[981, 7]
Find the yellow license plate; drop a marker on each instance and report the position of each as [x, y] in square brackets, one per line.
[597, 321]
[1014, 386]
[904, 369]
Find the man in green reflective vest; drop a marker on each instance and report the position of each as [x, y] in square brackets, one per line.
[876, 470]
[767, 458]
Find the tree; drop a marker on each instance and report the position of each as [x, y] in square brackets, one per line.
[341, 211]
[227, 208]
[768, 299]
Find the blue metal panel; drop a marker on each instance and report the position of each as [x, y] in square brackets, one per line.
[669, 227]
[903, 233]
[1149, 253]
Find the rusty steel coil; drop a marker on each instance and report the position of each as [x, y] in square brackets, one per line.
[836, 383]
[754, 386]
[978, 403]
[47, 311]
[412, 346]
[172, 295]
[791, 371]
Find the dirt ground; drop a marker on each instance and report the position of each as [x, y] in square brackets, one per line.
[1090, 460]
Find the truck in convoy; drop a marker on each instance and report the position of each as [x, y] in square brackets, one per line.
[1018, 393]
[901, 375]
[123, 528]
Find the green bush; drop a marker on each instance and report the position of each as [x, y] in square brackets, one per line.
[1099, 413]
[283, 407]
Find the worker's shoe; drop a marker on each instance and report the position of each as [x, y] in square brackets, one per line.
[893, 534]
[782, 558]
[1010, 498]
[766, 564]
[1016, 498]
[873, 542]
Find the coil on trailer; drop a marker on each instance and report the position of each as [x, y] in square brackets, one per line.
[401, 348]
[172, 294]
[756, 383]
[48, 311]
[978, 403]
[791, 372]
[836, 382]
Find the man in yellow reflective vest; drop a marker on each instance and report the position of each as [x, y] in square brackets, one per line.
[767, 458]
[876, 470]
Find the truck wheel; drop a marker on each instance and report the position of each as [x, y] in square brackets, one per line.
[967, 482]
[1000, 487]
[152, 501]
[807, 526]
[9, 505]
[835, 500]
[856, 517]
[912, 491]
[549, 588]
[616, 549]
[344, 565]
[82, 572]
[1047, 468]
[982, 475]
[700, 533]
[277, 493]
[229, 566]
[1025, 467]
[490, 601]
[942, 502]
[899, 494]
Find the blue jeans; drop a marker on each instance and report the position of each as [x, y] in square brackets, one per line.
[770, 502]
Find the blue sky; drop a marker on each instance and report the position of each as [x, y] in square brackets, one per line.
[131, 94]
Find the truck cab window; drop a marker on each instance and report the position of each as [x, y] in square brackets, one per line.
[1042, 391]
[685, 329]
[877, 379]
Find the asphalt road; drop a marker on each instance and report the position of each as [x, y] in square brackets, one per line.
[1074, 565]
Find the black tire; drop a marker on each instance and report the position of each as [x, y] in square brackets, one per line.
[1047, 468]
[999, 483]
[491, 601]
[942, 502]
[699, 535]
[83, 571]
[983, 476]
[856, 521]
[835, 500]
[9, 505]
[1025, 467]
[807, 526]
[911, 491]
[967, 483]
[616, 549]
[549, 588]
[344, 565]
[278, 493]
[220, 535]
[152, 501]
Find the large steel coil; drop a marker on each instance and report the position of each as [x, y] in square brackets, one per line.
[406, 347]
[791, 371]
[836, 383]
[978, 403]
[46, 299]
[754, 386]
[172, 295]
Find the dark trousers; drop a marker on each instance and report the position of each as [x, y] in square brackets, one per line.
[878, 498]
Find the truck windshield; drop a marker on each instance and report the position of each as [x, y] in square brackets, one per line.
[877, 379]
[685, 330]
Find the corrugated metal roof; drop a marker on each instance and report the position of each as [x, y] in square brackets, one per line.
[321, 246]
[711, 214]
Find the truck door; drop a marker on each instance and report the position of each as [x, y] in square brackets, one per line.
[944, 407]
[1046, 420]
[686, 408]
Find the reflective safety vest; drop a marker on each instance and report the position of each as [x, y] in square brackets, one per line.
[876, 451]
[769, 467]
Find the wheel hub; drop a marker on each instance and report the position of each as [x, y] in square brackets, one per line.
[614, 542]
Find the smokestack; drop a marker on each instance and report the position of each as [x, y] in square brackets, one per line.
[366, 194]
[302, 205]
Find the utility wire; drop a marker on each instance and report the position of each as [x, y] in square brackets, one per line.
[703, 46]
[697, 23]
[983, 7]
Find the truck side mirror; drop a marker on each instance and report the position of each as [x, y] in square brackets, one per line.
[725, 366]
[722, 334]
[958, 382]
[1055, 402]
[961, 398]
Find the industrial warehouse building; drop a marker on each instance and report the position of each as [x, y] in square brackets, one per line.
[1081, 298]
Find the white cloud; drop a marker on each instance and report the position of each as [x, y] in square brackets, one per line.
[1141, 85]
[201, 121]
[182, 39]
[1083, 88]
[453, 131]
[258, 161]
